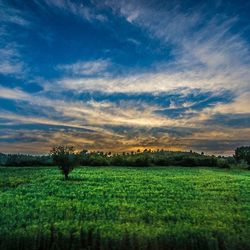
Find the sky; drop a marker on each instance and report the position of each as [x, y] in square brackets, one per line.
[124, 75]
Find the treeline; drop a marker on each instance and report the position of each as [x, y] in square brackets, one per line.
[152, 158]
[133, 159]
[22, 160]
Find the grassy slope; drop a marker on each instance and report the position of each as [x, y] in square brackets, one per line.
[125, 208]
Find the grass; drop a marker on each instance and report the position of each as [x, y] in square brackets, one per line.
[124, 208]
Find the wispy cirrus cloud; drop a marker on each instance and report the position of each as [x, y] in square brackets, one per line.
[200, 60]
[14, 94]
[81, 10]
[11, 63]
[12, 15]
[85, 68]
[207, 54]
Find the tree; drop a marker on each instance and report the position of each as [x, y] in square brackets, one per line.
[65, 158]
[242, 154]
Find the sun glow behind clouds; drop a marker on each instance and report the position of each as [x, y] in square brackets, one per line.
[118, 76]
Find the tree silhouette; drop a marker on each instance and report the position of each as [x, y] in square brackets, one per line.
[65, 158]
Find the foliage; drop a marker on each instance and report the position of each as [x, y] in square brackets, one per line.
[139, 159]
[65, 158]
[152, 158]
[242, 164]
[242, 153]
[25, 160]
[125, 208]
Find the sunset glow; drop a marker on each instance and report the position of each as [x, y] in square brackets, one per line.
[124, 75]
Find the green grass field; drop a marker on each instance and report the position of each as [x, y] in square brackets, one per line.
[124, 208]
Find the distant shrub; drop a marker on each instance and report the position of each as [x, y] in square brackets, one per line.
[230, 159]
[160, 160]
[98, 160]
[187, 161]
[222, 163]
[140, 160]
[209, 161]
[242, 164]
[242, 153]
[118, 160]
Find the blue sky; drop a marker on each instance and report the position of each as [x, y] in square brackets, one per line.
[121, 75]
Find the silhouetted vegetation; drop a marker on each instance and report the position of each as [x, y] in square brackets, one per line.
[20, 160]
[133, 159]
[242, 155]
[65, 158]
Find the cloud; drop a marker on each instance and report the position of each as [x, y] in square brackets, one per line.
[134, 123]
[203, 61]
[12, 16]
[207, 54]
[41, 141]
[89, 113]
[80, 10]
[14, 94]
[156, 82]
[240, 105]
[218, 139]
[134, 41]
[10, 61]
[190, 101]
[85, 68]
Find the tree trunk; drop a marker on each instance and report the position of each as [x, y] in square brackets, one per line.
[66, 175]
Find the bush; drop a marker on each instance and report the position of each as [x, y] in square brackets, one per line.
[141, 160]
[242, 153]
[98, 160]
[222, 163]
[118, 160]
[160, 160]
[242, 165]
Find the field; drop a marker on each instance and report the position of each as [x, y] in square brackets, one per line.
[125, 208]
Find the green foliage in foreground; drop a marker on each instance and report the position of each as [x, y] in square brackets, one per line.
[125, 208]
